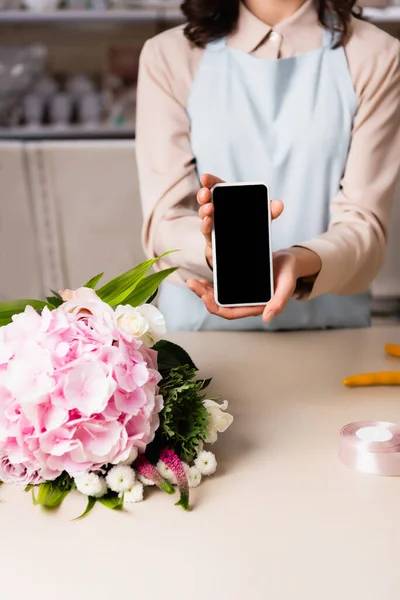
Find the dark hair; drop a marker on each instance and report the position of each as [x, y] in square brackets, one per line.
[209, 20]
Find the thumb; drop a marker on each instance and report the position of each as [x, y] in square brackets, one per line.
[209, 181]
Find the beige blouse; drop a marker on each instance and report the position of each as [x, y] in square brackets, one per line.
[352, 250]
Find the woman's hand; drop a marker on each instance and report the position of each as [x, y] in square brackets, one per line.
[207, 209]
[288, 265]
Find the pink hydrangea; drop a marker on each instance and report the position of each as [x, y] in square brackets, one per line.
[74, 394]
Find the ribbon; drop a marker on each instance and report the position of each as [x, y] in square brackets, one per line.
[371, 447]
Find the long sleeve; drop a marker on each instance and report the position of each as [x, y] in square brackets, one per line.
[353, 249]
[166, 166]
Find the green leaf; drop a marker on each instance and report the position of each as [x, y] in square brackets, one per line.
[152, 297]
[148, 287]
[56, 294]
[52, 493]
[205, 383]
[112, 501]
[171, 355]
[94, 281]
[184, 418]
[183, 501]
[29, 488]
[13, 307]
[54, 301]
[90, 504]
[118, 289]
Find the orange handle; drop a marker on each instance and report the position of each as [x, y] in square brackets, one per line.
[393, 350]
[370, 379]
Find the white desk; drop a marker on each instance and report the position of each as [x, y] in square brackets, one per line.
[282, 519]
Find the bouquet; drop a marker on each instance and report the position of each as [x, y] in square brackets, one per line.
[93, 399]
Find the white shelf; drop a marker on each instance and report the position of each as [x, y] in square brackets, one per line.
[69, 133]
[145, 12]
[152, 11]
[391, 14]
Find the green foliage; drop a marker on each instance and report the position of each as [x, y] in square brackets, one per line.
[89, 507]
[146, 288]
[55, 300]
[52, 493]
[13, 307]
[184, 419]
[112, 500]
[131, 287]
[94, 281]
[121, 287]
[171, 355]
[152, 297]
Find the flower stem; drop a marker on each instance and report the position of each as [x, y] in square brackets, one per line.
[172, 461]
[145, 468]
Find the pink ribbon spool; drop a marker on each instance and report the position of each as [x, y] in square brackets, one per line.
[371, 447]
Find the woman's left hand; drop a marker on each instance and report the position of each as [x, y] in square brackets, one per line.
[289, 265]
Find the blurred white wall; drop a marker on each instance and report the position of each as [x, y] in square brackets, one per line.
[69, 211]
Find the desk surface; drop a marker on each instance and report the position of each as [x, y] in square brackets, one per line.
[283, 519]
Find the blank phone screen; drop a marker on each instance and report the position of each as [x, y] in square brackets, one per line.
[242, 244]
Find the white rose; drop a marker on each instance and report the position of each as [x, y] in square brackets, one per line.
[130, 321]
[218, 420]
[157, 328]
[145, 323]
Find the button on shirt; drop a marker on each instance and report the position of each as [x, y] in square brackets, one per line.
[356, 238]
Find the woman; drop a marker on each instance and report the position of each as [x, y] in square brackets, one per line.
[304, 96]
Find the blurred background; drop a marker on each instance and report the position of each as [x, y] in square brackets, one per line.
[68, 183]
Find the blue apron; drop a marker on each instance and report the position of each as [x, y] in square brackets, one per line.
[286, 122]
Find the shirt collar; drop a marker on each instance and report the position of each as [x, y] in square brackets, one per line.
[250, 31]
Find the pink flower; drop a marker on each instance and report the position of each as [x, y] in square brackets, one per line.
[169, 458]
[74, 394]
[89, 386]
[18, 473]
[145, 468]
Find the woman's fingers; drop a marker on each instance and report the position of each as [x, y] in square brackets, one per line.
[203, 196]
[206, 211]
[206, 228]
[205, 291]
[208, 181]
[285, 284]
[276, 208]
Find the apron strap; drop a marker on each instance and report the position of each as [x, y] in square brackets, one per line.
[216, 44]
[329, 38]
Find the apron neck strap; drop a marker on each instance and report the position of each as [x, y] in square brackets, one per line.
[217, 44]
[329, 39]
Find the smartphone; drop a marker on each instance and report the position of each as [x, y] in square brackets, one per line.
[242, 257]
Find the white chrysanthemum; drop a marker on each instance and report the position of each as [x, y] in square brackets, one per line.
[166, 472]
[145, 480]
[91, 484]
[120, 478]
[206, 463]
[135, 494]
[193, 475]
[131, 458]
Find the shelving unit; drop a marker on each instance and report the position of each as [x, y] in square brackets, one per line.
[391, 14]
[143, 12]
[164, 11]
[72, 132]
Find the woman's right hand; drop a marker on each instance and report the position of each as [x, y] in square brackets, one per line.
[207, 209]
